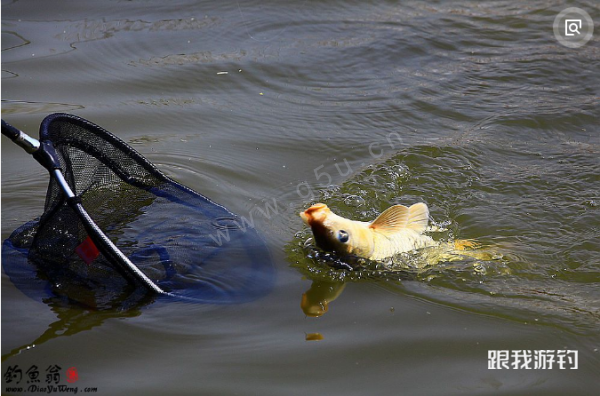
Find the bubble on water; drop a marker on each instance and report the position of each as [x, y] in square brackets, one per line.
[479, 268]
[391, 186]
[591, 203]
[354, 200]
[399, 171]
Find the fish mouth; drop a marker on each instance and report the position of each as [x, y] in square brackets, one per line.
[315, 217]
[304, 218]
[308, 215]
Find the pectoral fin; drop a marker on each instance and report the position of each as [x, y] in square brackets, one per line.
[391, 220]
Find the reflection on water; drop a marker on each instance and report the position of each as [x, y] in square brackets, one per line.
[22, 107]
[12, 40]
[74, 319]
[315, 301]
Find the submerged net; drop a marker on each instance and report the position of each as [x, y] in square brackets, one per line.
[185, 243]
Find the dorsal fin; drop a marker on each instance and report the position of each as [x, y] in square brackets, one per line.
[418, 217]
[392, 220]
[399, 217]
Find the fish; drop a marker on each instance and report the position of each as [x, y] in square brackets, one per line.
[397, 230]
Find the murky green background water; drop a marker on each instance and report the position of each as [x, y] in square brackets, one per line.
[471, 107]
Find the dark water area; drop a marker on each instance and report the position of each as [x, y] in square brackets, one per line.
[474, 108]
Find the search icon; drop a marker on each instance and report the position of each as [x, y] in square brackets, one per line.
[572, 26]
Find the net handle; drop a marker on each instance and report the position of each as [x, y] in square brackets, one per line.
[45, 155]
[20, 138]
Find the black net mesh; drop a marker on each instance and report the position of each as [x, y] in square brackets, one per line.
[185, 243]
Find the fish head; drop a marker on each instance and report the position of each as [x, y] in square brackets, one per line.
[315, 214]
[335, 233]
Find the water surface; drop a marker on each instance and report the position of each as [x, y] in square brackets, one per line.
[471, 107]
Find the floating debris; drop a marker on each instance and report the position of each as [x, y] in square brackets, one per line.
[314, 337]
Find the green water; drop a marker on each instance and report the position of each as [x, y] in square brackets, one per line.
[533, 271]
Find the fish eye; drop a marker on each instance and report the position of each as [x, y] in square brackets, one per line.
[343, 236]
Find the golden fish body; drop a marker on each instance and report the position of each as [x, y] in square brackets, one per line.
[398, 229]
